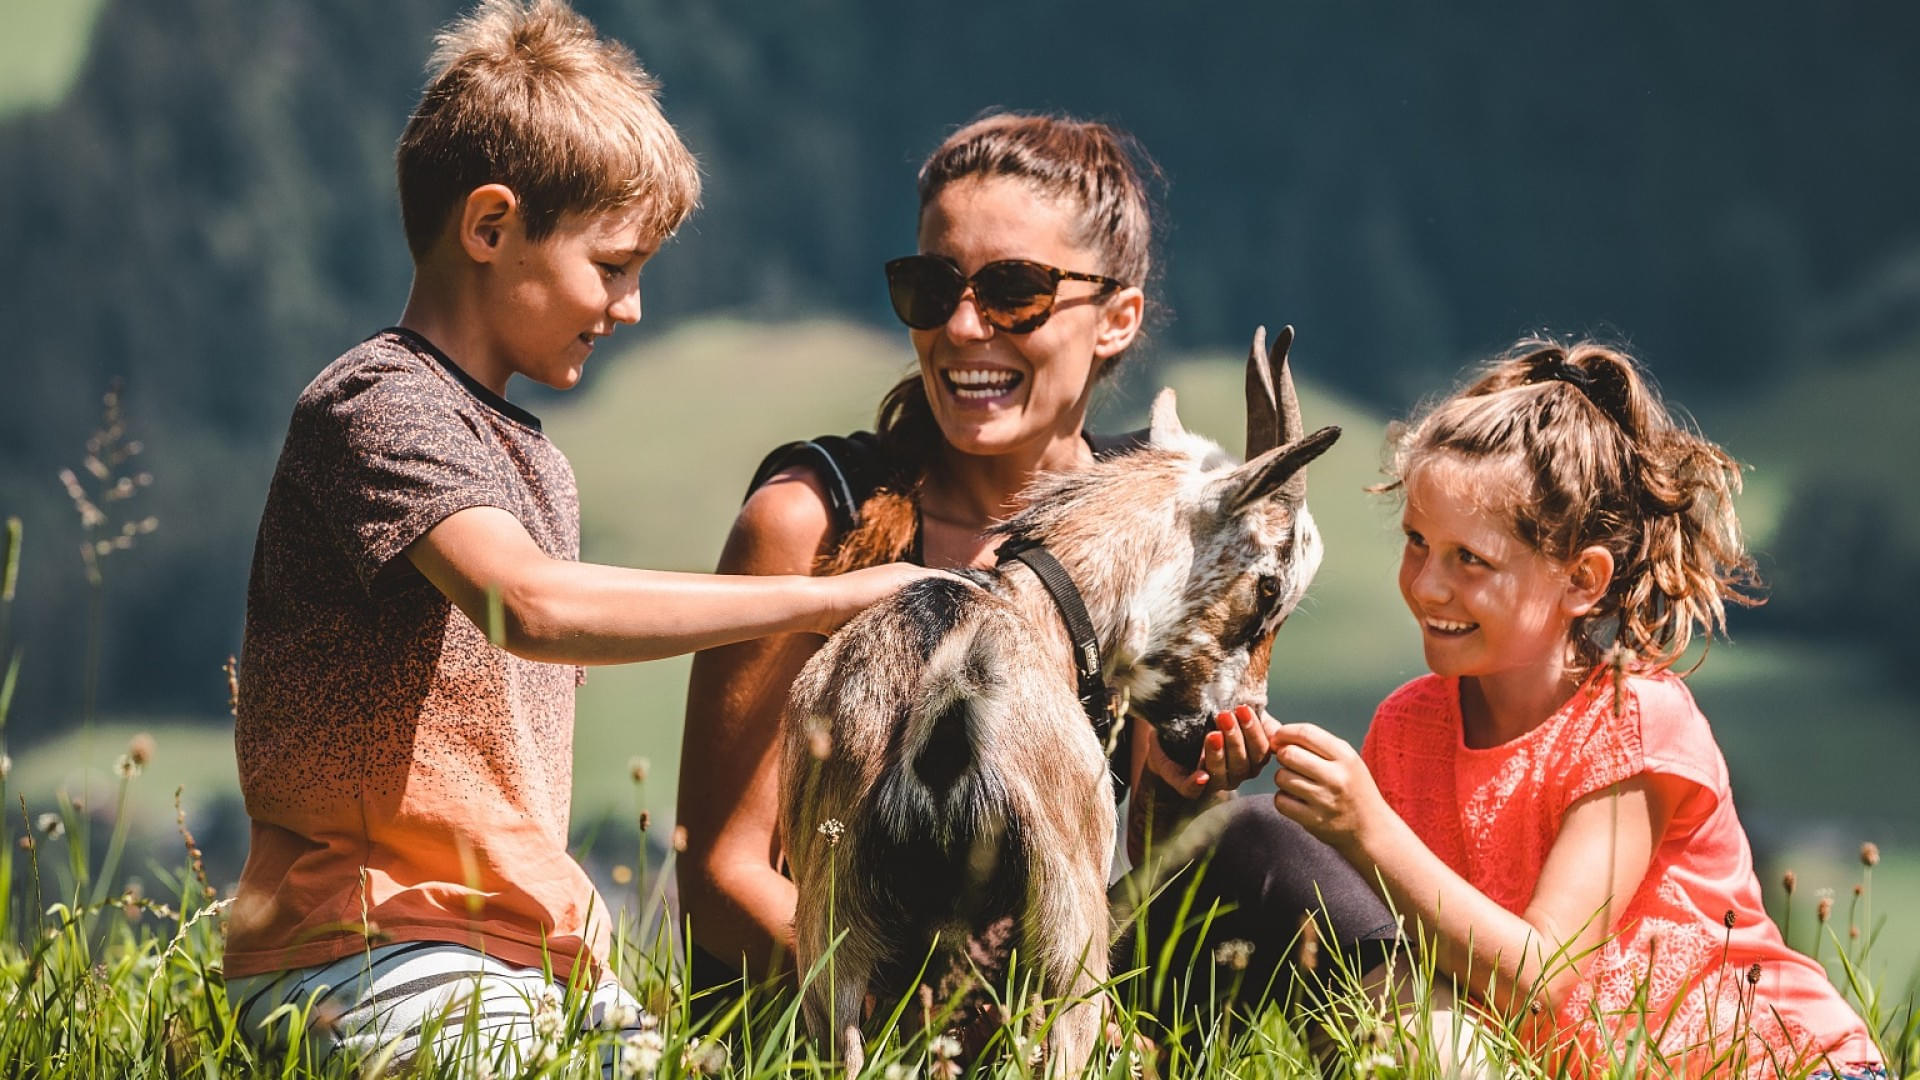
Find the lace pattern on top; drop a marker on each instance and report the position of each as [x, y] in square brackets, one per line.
[1492, 815]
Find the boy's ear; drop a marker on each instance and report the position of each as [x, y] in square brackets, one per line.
[485, 215]
[1589, 576]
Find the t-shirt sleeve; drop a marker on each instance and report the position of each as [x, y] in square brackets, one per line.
[1663, 735]
[1608, 753]
[385, 455]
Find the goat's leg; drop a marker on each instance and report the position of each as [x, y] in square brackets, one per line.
[1073, 962]
[849, 1002]
[1078, 1023]
[834, 1011]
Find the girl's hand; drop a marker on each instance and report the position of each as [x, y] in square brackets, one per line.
[1323, 785]
[1229, 756]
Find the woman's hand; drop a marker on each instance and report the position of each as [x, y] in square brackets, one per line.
[1323, 785]
[1229, 757]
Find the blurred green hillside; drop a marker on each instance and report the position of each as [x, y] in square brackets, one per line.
[42, 50]
[199, 197]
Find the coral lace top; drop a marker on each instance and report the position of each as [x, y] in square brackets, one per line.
[1492, 815]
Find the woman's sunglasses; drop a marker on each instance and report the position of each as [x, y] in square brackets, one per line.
[1013, 295]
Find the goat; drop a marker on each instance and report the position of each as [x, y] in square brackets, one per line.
[942, 733]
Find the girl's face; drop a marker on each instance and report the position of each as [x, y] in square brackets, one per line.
[995, 392]
[1486, 602]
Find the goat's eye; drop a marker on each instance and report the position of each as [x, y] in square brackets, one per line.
[1268, 590]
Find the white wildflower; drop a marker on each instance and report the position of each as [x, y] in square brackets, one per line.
[700, 1058]
[547, 1018]
[621, 1015]
[50, 824]
[897, 1071]
[125, 767]
[1374, 1064]
[944, 1047]
[1233, 953]
[640, 1054]
[833, 831]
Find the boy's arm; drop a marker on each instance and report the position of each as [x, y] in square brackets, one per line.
[563, 612]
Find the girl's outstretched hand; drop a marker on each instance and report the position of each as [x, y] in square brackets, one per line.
[1323, 786]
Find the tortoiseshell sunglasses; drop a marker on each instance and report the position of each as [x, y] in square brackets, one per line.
[1013, 295]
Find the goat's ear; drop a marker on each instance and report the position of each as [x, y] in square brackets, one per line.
[1280, 471]
[1163, 425]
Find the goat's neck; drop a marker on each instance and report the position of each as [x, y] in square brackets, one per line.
[1133, 590]
[1109, 607]
[1022, 588]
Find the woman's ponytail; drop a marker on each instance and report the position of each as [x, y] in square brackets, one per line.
[890, 517]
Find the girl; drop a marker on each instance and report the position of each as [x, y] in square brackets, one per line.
[1549, 803]
[1009, 353]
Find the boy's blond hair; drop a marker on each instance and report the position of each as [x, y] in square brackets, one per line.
[528, 95]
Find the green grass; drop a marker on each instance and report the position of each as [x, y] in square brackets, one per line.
[42, 48]
[98, 983]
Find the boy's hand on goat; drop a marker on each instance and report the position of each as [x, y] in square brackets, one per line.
[851, 593]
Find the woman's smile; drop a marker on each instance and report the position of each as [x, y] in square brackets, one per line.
[981, 386]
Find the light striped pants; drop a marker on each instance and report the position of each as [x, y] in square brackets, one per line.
[397, 1000]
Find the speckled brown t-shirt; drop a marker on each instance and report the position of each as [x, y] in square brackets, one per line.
[405, 778]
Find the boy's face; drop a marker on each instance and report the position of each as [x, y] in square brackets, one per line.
[549, 301]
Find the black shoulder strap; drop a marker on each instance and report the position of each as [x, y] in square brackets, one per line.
[848, 466]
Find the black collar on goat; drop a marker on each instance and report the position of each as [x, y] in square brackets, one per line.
[1094, 695]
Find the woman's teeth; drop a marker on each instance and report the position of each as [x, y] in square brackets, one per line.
[978, 384]
[1445, 626]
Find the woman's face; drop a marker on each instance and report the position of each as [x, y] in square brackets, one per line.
[995, 392]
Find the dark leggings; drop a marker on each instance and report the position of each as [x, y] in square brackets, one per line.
[1267, 876]
[1263, 877]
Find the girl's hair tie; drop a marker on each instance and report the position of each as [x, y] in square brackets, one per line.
[1606, 389]
[1555, 367]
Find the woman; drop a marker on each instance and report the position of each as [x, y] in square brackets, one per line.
[1028, 288]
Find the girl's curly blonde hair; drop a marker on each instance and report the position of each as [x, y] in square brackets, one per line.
[1603, 462]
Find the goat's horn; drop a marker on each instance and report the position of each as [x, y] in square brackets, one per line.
[1273, 409]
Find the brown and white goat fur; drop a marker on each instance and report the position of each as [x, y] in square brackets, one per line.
[942, 728]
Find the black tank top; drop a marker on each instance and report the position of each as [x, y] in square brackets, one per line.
[850, 468]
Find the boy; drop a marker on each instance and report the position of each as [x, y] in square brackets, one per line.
[407, 781]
